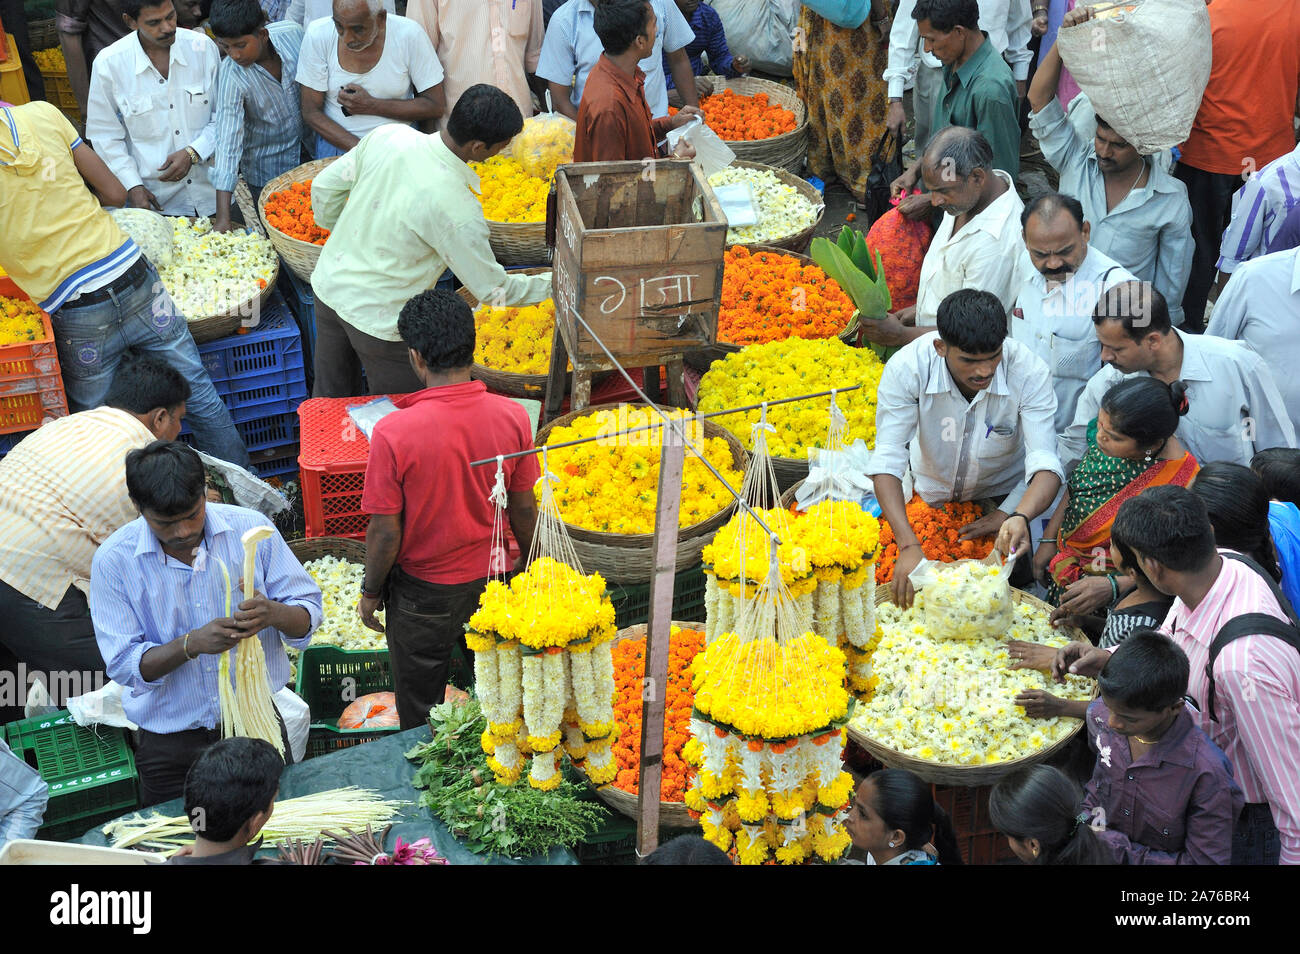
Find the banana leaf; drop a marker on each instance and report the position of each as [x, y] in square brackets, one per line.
[869, 295]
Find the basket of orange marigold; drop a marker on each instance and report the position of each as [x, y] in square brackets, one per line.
[762, 121]
[686, 642]
[939, 530]
[285, 210]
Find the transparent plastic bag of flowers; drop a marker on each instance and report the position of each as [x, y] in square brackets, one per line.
[966, 599]
[545, 142]
[149, 230]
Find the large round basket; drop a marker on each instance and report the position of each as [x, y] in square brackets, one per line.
[629, 557]
[799, 241]
[507, 382]
[967, 775]
[671, 814]
[313, 548]
[228, 322]
[516, 244]
[300, 256]
[787, 150]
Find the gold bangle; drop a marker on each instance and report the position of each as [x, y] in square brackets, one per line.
[185, 648]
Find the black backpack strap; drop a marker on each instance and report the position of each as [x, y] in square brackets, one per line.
[1276, 590]
[1248, 624]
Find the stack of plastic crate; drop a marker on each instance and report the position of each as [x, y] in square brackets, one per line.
[31, 386]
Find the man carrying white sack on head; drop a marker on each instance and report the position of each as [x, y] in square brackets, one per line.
[164, 615]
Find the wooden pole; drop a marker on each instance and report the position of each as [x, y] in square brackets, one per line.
[654, 688]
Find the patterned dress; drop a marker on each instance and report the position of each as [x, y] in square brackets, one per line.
[837, 72]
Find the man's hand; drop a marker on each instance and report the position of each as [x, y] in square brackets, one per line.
[985, 526]
[888, 331]
[1039, 704]
[1013, 537]
[1078, 658]
[219, 636]
[356, 100]
[683, 150]
[1078, 15]
[366, 609]
[916, 207]
[703, 87]
[1043, 558]
[741, 64]
[685, 115]
[1022, 88]
[141, 198]
[900, 586]
[1039, 26]
[176, 167]
[1025, 655]
[222, 223]
[896, 120]
[1085, 596]
[905, 183]
[255, 615]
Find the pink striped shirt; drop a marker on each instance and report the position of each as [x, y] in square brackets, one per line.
[1257, 695]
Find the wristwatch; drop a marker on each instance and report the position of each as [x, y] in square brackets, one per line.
[194, 155]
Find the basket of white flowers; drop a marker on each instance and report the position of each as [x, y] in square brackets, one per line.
[788, 207]
[219, 281]
[338, 566]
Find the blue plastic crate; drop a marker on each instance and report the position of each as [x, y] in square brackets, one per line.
[273, 430]
[269, 347]
[276, 461]
[302, 302]
[250, 404]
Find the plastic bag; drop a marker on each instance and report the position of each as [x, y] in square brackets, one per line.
[762, 30]
[297, 720]
[375, 711]
[101, 707]
[838, 475]
[150, 231]
[902, 244]
[965, 599]
[545, 142]
[249, 491]
[1145, 68]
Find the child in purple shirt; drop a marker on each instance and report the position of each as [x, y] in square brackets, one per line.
[1161, 793]
[710, 38]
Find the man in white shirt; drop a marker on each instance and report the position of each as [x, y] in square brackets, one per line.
[1234, 407]
[1053, 313]
[306, 12]
[978, 243]
[1261, 306]
[1007, 23]
[152, 111]
[571, 48]
[972, 412]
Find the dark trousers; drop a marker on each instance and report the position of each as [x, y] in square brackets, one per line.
[163, 760]
[1210, 195]
[342, 351]
[425, 623]
[15, 21]
[1255, 840]
[56, 644]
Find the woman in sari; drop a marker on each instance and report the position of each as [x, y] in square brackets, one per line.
[1131, 446]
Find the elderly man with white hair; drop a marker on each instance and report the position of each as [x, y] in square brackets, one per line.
[364, 68]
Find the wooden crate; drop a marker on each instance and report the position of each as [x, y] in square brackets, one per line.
[639, 255]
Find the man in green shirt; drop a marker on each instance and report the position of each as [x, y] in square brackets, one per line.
[978, 89]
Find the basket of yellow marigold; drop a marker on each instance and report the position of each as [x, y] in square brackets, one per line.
[512, 345]
[514, 205]
[607, 489]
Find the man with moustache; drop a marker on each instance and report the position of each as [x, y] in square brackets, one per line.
[151, 112]
[1053, 313]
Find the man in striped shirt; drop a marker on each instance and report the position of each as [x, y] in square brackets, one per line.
[163, 617]
[1256, 717]
[64, 494]
[1259, 209]
[260, 131]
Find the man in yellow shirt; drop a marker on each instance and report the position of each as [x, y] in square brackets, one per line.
[69, 256]
[400, 211]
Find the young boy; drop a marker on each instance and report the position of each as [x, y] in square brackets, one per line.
[710, 39]
[614, 120]
[1162, 790]
[229, 795]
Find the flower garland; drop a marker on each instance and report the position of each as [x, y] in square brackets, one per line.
[780, 369]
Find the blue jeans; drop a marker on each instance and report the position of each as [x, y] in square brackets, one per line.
[325, 150]
[140, 316]
[1255, 839]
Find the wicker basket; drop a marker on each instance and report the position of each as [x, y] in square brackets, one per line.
[786, 151]
[42, 34]
[848, 335]
[313, 548]
[227, 323]
[671, 814]
[508, 382]
[800, 241]
[968, 775]
[629, 557]
[300, 256]
[518, 244]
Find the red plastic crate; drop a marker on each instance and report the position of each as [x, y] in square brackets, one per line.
[332, 464]
[979, 842]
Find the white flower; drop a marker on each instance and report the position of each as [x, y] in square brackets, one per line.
[782, 211]
[215, 272]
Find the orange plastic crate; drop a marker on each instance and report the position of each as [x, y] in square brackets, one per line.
[31, 386]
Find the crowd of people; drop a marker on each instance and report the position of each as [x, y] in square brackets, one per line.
[1139, 466]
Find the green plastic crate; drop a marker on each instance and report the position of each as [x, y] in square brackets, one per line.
[329, 680]
[632, 601]
[613, 844]
[90, 772]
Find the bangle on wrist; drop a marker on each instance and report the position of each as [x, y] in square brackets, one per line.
[1114, 588]
[185, 648]
[368, 594]
[1017, 513]
[193, 154]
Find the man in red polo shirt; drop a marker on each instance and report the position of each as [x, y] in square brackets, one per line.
[428, 547]
[614, 121]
